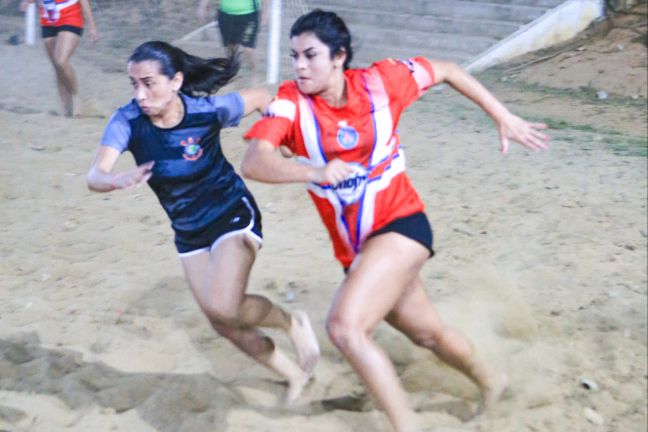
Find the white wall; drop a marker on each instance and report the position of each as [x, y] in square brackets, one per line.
[557, 25]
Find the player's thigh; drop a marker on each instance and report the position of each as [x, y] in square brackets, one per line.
[66, 44]
[50, 46]
[196, 267]
[230, 264]
[377, 280]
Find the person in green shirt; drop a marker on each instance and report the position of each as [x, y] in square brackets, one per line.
[238, 22]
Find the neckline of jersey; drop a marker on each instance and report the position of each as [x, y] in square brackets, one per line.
[184, 116]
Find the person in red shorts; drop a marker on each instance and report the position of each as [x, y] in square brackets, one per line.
[341, 124]
[62, 24]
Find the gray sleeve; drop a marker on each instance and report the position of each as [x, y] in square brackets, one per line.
[117, 133]
[229, 108]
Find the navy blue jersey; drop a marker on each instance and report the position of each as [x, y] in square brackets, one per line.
[194, 182]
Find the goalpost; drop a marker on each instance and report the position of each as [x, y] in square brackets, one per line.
[280, 13]
[30, 24]
[272, 76]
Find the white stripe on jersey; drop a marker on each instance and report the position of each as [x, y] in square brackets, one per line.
[282, 108]
[382, 118]
[330, 195]
[421, 76]
[383, 148]
[373, 187]
[310, 133]
[311, 141]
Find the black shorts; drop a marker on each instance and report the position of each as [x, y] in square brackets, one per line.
[52, 31]
[238, 29]
[415, 227]
[244, 218]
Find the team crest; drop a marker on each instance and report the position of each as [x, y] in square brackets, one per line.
[192, 149]
[347, 136]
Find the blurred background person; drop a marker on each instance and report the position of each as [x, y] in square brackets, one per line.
[62, 25]
[238, 22]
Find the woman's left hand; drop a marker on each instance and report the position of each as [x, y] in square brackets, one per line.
[512, 127]
[94, 34]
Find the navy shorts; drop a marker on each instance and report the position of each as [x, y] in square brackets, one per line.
[238, 29]
[52, 31]
[244, 218]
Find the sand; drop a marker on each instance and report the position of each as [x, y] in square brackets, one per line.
[541, 260]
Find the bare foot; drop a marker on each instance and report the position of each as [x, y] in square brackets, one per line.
[492, 392]
[88, 110]
[305, 342]
[295, 388]
[67, 112]
[297, 378]
[76, 106]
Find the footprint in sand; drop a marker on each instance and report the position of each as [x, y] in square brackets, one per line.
[17, 109]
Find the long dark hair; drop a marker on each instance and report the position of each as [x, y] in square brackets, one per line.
[201, 76]
[329, 28]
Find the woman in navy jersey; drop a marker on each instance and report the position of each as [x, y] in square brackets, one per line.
[172, 128]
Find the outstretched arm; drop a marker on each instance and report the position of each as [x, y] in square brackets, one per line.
[263, 162]
[201, 11]
[509, 126]
[92, 27]
[265, 12]
[256, 99]
[22, 7]
[100, 177]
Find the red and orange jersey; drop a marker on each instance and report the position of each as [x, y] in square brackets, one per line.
[60, 12]
[364, 134]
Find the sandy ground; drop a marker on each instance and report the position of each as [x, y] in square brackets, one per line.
[541, 260]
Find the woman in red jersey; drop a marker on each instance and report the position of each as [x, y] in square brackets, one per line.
[341, 124]
[62, 26]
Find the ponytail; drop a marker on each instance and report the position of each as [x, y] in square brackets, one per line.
[201, 76]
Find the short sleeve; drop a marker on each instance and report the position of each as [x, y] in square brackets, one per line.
[229, 108]
[278, 121]
[406, 80]
[117, 133]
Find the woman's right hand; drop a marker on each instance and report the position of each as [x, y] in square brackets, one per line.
[201, 12]
[333, 172]
[133, 177]
[93, 33]
[24, 5]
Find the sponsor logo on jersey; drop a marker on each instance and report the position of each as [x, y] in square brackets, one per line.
[192, 149]
[347, 136]
[351, 189]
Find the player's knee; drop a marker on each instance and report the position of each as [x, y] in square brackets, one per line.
[226, 315]
[426, 333]
[442, 340]
[345, 335]
[60, 64]
[224, 330]
[426, 339]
